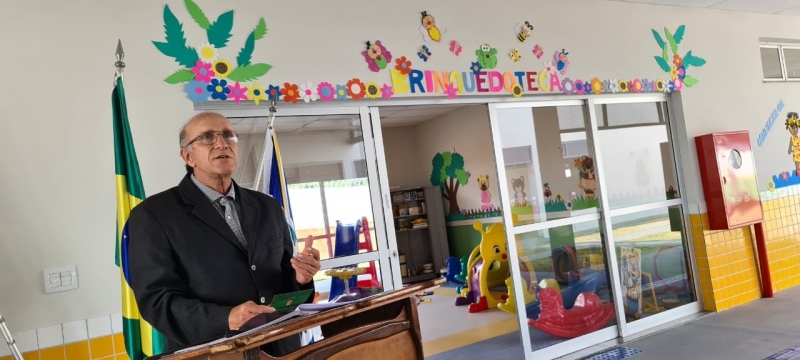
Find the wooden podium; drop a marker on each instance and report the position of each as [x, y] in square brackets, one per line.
[380, 327]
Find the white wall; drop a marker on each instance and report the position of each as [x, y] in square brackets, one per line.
[57, 114]
[404, 166]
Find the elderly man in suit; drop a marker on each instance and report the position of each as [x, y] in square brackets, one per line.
[207, 256]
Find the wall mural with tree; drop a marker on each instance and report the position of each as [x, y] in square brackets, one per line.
[448, 173]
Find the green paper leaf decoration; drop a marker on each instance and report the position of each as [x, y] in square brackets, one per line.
[220, 31]
[679, 33]
[249, 72]
[173, 29]
[690, 81]
[180, 76]
[247, 51]
[175, 47]
[261, 29]
[184, 55]
[663, 63]
[691, 60]
[659, 40]
[197, 14]
[665, 55]
[672, 43]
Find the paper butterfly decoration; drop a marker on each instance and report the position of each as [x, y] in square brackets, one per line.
[424, 53]
[455, 47]
[538, 51]
[515, 55]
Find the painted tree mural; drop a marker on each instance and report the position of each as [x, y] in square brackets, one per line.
[448, 173]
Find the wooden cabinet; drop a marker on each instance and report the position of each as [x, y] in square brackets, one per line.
[420, 231]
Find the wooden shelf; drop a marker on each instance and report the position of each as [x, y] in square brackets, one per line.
[419, 228]
[408, 216]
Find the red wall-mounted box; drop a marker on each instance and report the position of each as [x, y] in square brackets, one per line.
[730, 185]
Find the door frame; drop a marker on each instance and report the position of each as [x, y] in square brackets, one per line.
[604, 214]
[382, 253]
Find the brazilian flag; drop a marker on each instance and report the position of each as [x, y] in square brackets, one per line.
[141, 339]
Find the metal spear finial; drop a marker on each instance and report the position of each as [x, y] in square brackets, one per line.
[120, 65]
[272, 111]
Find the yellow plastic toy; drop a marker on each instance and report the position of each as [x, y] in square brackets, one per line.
[490, 260]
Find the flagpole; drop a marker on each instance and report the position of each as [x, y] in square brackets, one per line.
[260, 172]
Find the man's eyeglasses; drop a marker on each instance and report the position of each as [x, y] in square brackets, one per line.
[210, 137]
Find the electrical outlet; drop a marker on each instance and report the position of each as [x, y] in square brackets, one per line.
[60, 279]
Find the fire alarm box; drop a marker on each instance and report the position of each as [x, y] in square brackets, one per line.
[730, 185]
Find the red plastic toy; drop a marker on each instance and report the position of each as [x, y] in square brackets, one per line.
[587, 315]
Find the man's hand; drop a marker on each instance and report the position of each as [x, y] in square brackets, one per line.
[306, 264]
[244, 312]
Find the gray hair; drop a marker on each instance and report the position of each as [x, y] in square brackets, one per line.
[182, 134]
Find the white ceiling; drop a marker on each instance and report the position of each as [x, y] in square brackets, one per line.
[783, 7]
[391, 116]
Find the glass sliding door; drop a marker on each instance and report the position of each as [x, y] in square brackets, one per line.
[333, 188]
[550, 199]
[646, 212]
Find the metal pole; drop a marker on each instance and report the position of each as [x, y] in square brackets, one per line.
[119, 64]
[9, 340]
[260, 170]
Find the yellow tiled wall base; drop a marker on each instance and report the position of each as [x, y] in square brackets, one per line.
[111, 347]
[782, 230]
[726, 264]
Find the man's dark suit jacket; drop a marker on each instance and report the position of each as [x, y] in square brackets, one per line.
[188, 270]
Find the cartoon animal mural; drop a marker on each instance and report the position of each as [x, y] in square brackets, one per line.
[429, 29]
[588, 184]
[486, 196]
[792, 124]
[631, 276]
[487, 56]
[520, 197]
[376, 56]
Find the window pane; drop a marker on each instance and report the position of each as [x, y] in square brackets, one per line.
[555, 177]
[570, 261]
[640, 158]
[791, 59]
[653, 262]
[771, 63]
[324, 165]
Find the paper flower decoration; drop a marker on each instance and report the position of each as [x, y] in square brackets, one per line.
[580, 87]
[637, 86]
[207, 53]
[222, 68]
[308, 92]
[290, 93]
[356, 89]
[326, 91]
[237, 92]
[202, 72]
[679, 78]
[372, 90]
[387, 91]
[403, 65]
[204, 63]
[660, 87]
[614, 86]
[568, 86]
[597, 86]
[341, 92]
[476, 68]
[219, 89]
[257, 93]
[196, 90]
[451, 91]
[274, 93]
[623, 86]
[516, 90]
